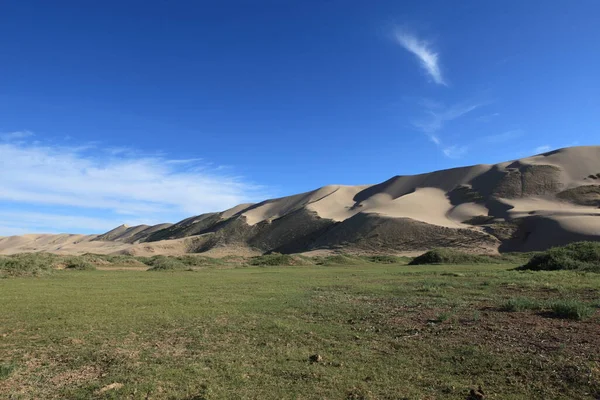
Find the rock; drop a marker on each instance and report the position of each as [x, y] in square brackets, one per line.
[315, 358]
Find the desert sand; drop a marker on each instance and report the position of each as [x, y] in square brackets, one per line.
[522, 205]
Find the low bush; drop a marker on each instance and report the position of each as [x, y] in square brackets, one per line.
[581, 256]
[338, 259]
[165, 263]
[79, 264]
[273, 259]
[522, 304]
[27, 264]
[571, 309]
[384, 259]
[561, 308]
[449, 256]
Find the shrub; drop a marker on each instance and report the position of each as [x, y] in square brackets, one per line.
[79, 264]
[27, 264]
[338, 259]
[164, 263]
[273, 259]
[582, 256]
[571, 309]
[384, 259]
[521, 304]
[6, 370]
[448, 256]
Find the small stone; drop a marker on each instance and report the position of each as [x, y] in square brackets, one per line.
[315, 358]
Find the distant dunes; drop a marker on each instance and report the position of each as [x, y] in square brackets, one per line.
[522, 205]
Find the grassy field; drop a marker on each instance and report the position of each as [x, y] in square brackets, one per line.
[381, 331]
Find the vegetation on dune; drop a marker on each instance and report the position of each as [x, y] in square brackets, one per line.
[337, 259]
[273, 259]
[580, 256]
[450, 256]
[588, 195]
[79, 264]
[27, 264]
[386, 259]
[165, 263]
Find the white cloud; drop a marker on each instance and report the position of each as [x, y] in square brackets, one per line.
[422, 49]
[454, 151]
[437, 115]
[542, 149]
[134, 188]
[20, 222]
[9, 136]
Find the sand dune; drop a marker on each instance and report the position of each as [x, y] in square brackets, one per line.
[526, 204]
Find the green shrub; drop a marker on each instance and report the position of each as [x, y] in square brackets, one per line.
[79, 264]
[582, 256]
[521, 304]
[27, 264]
[6, 370]
[448, 256]
[273, 259]
[338, 259]
[571, 309]
[443, 316]
[384, 259]
[165, 263]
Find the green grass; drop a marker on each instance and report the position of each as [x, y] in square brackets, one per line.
[559, 308]
[273, 259]
[6, 370]
[451, 256]
[384, 331]
[581, 256]
[80, 264]
[522, 304]
[571, 309]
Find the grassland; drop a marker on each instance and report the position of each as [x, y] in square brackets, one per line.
[237, 331]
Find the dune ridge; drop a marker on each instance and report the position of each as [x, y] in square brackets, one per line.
[519, 205]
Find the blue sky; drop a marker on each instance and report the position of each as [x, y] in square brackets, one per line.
[152, 111]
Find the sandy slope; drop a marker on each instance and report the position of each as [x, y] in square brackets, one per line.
[533, 202]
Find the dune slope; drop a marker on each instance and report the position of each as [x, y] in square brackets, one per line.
[520, 205]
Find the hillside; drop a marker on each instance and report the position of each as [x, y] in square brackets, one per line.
[520, 205]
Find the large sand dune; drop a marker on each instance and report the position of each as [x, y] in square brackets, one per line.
[522, 205]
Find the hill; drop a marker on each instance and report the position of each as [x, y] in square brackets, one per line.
[521, 205]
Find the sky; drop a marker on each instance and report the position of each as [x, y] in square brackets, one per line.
[152, 111]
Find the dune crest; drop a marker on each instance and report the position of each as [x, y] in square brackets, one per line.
[520, 205]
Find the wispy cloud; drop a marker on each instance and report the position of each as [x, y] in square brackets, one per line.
[20, 222]
[437, 115]
[428, 58]
[127, 188]
[542, 149]
[16, 135]
[454, 151]
[503, 137]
